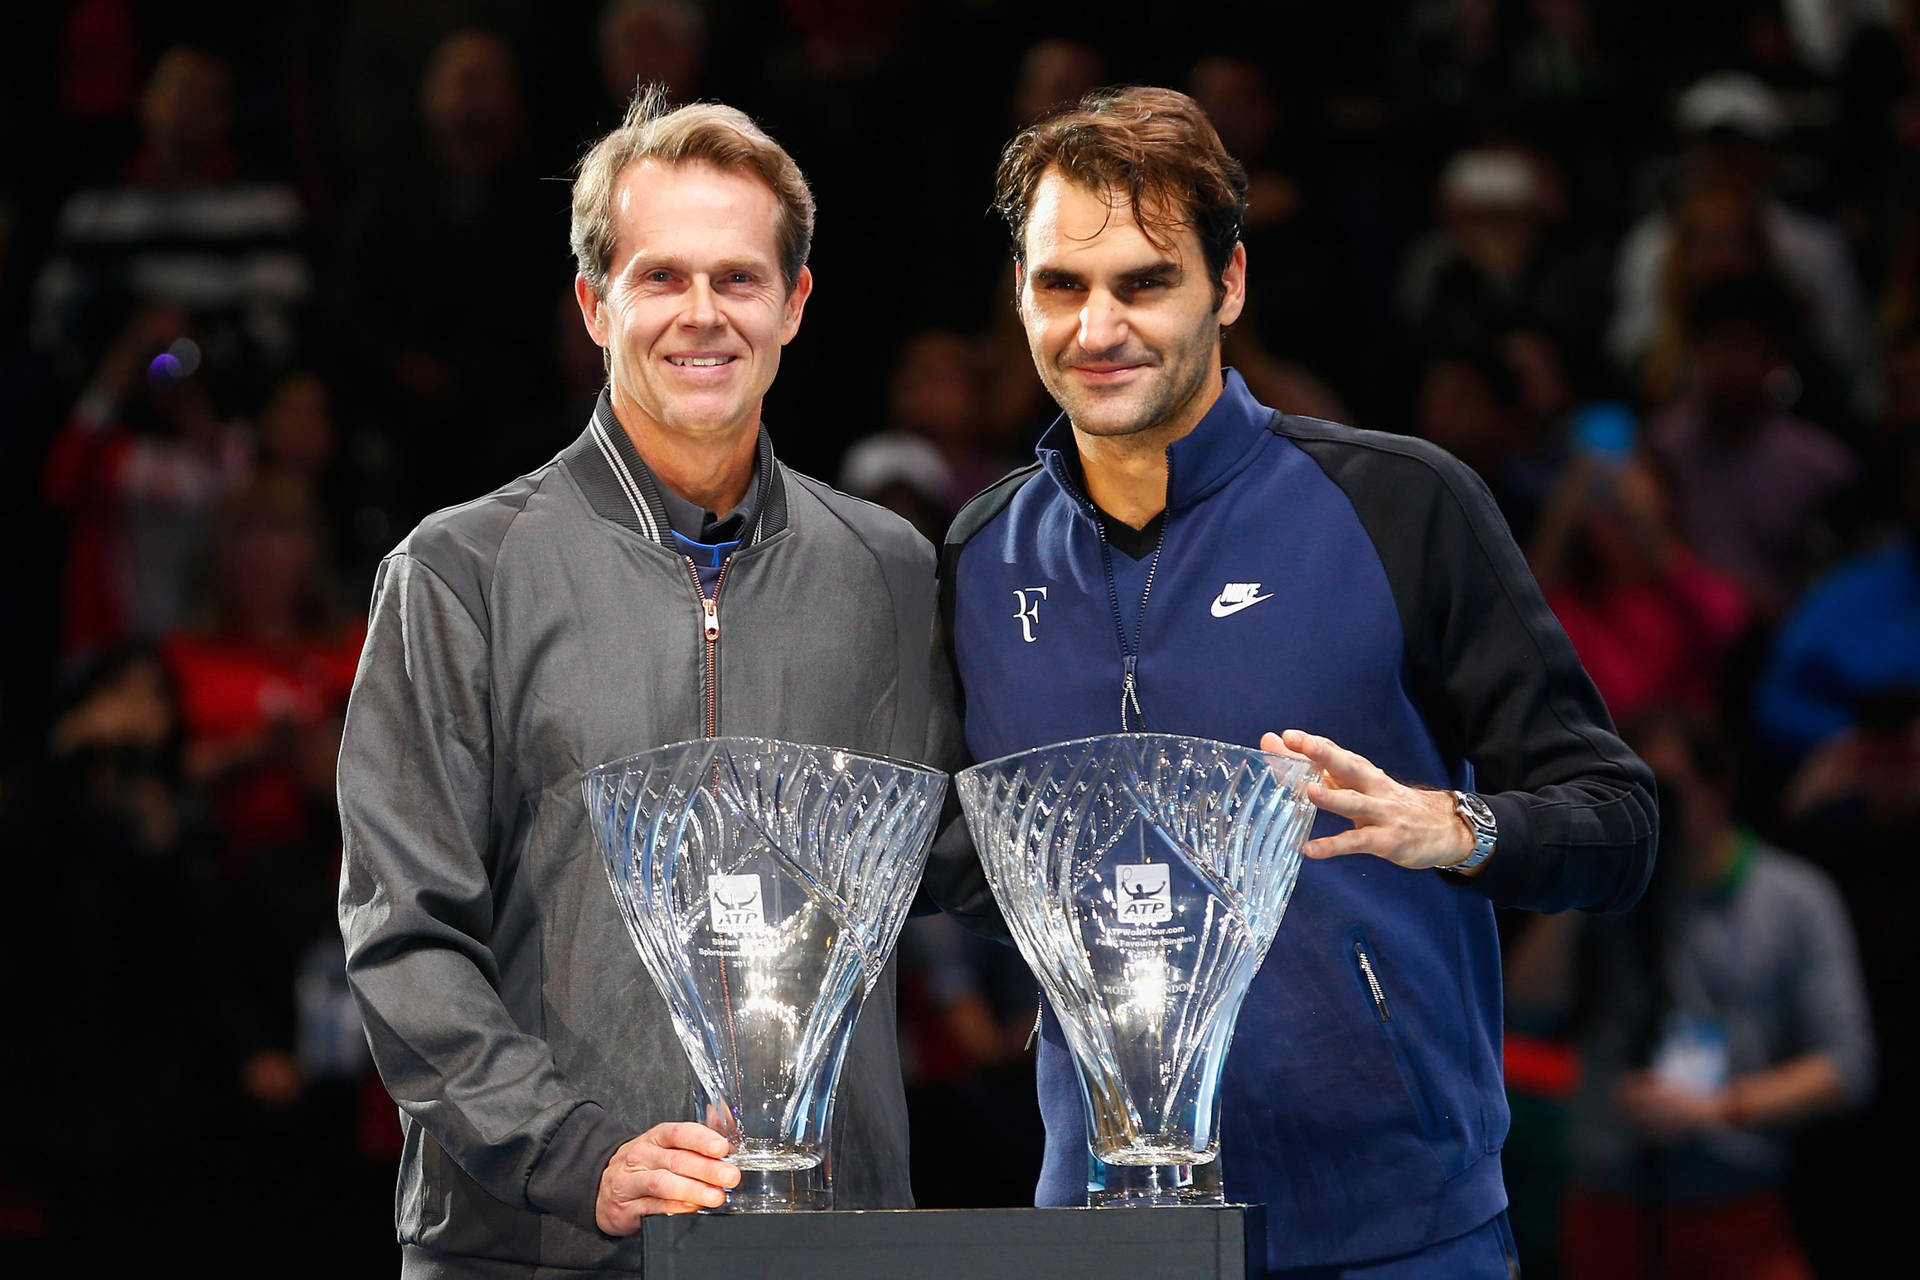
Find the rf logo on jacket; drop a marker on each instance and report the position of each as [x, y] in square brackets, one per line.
[1027, 610]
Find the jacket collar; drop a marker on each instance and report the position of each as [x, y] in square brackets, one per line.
[621, 487]
[1197, 463]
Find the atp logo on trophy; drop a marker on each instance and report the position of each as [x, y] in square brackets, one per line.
[1145, 897]
[735, 901]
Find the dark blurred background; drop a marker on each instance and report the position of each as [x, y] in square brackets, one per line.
[278, 280]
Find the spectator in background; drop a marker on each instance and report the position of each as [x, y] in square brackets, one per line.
[1493, 209]
[1755, 487]
[264, 677]
[644, 42]
[1725, 1011]
[1717, 235]
[1730, 122]
[299, 436]
[453, 357]
[1469, 404]
[906, 475]
[185, 226]
[1855, 632]
[935, 393]
[1494, 254]
[938, 448]
[1548, 406]
[1652, 625]
[137, 471]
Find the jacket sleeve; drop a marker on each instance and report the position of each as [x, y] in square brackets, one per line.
[416, 909]
[1499, 684]
[1575, 806]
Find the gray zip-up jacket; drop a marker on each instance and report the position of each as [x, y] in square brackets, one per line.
[516, 642]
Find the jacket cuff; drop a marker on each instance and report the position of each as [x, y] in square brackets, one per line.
[566, 1180]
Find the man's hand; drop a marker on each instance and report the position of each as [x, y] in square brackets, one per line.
[671, 1168]
[1408, 826]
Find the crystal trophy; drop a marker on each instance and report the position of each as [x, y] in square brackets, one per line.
[764, 885]
[1143, 877]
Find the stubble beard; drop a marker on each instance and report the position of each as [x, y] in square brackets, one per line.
[1174, 385]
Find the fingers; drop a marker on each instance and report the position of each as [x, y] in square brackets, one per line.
[1355, 840]
[1272, 744]
[687, 1136]
[1358, 807]
[678, 1184]
[671, 1168]
[1343, 768]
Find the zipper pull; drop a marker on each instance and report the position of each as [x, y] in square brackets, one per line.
[711, 608]
[1129, 694]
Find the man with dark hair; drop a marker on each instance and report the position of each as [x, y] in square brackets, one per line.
[663, 577]
[1757, 486]
[1186, 560]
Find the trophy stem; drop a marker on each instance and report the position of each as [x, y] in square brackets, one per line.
[1124, 1186]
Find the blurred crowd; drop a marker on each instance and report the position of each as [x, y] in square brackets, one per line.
[277, 281]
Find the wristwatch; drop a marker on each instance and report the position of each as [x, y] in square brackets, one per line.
[1479, 819]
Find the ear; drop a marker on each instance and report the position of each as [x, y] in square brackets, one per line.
[796, 303]
[1234, 298]
[592, 311]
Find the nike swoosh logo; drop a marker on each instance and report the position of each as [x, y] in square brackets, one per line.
[1222, 609]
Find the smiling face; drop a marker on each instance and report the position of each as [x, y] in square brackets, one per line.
[1125, 334]
[695, 310]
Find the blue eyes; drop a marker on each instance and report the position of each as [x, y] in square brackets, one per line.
[663, 276]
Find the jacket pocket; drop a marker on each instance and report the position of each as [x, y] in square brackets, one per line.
[1393, 1030]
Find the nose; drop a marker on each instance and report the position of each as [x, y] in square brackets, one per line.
[701, 309]
[1103, 323]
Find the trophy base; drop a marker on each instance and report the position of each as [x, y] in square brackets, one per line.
[779, 1190]
[1136, 1183]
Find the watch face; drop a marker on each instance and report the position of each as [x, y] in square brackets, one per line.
[1480, 817]
[1476, 810]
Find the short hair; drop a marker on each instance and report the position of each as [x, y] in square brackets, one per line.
[1155, 145]
[704, 132]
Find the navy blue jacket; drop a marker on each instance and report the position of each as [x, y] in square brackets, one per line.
[1362, 586]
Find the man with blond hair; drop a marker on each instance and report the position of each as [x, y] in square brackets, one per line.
[1185, 560]
[662, 578]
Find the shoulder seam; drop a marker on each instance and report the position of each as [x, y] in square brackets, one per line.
[440, 578]
[989, 502]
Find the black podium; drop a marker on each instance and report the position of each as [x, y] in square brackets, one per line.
[1226, 1242]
